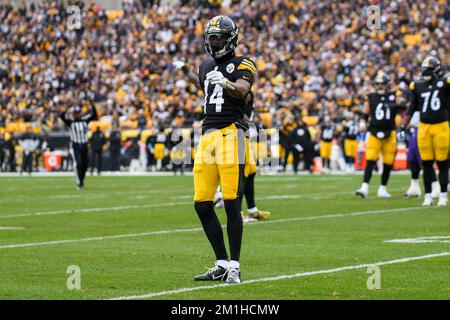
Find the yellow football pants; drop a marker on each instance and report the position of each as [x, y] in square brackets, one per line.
[220, 158]
[386, 146]
[433, 141]
[250, 160]
[350, 147]
[325, 149]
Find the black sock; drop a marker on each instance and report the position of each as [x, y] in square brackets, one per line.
[234, 228]
[212, 228]
[386, 173]
[428, 171]
[249, 188]
[433, 175]
[443, 175]
[241, 192]
[414, 166]
[368, 170]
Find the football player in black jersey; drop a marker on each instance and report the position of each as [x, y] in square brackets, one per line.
[226, 81]
[350, 132]
[381, 107]
[430, 96]
[253, 213]
[326, 143]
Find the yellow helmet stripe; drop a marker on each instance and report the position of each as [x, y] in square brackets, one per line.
[214, 22]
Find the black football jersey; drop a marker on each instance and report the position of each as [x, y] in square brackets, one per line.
[220, 108]
[431, 99]
[327, 133]
[383, 109]
[351, 131]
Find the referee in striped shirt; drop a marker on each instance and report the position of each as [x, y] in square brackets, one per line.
[78, 129]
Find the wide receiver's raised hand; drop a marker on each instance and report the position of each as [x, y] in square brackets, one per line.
[216, 77]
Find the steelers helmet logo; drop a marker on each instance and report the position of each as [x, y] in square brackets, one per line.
[440, 84]
[230, 68]
[300, 132]
[391, 98]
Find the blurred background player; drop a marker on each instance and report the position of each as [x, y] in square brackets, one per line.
[177, 155]
[97, 143]
[250, 169]
[29, 143]
[78, 128]
[430, 96]
[350, 134]
[302, 145]
[288, 125]
[115, 146]
[326, 143]
[415, 163]
[381, 108]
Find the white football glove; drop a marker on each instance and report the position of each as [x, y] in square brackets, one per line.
[216, 77]
[178, 64]
[298, 147]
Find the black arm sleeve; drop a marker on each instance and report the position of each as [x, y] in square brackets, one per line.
[92, 116]
[63, 117]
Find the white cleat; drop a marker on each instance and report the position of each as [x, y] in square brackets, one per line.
[427, 202]
[443, 201]
[413, 192]
[233, 276]
[362, 193]
[247, 220]
[383, 194]
[220, 204]
[436, 190]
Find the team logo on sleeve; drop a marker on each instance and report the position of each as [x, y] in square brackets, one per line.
[230, 68]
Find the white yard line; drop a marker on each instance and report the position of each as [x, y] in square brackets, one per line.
[11, 228]
[283, 277]
[117, 208]
[314, 196]
[130, 235]
[431, 239]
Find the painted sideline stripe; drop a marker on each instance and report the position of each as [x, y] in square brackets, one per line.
[12, 228]
[130, 235]
[283, 277]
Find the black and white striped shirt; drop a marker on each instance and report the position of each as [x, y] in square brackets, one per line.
[78, 129]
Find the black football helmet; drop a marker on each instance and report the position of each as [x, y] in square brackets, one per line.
[220, 37]
[431, 68]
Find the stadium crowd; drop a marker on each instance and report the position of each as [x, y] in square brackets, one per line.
[316, 60]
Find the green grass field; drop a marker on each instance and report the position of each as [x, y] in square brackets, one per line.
[139, 237]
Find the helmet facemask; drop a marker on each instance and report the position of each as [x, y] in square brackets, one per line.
[219, 44]
[431, 68]
[220, 37]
